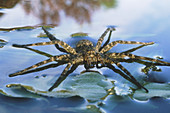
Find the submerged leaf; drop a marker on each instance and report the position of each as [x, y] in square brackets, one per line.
[155, 90]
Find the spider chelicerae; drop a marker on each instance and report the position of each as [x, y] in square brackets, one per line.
[85, 53]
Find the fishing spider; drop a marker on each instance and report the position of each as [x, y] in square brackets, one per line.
[85, 53]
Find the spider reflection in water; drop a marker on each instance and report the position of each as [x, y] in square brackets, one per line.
[85, 53]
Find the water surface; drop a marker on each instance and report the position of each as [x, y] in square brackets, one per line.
[136, 20]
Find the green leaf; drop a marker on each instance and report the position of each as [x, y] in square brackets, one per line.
[26, 27]
[2, 43]
[155, 90]
[90, 85]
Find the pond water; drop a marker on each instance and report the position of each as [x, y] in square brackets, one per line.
[136, 20]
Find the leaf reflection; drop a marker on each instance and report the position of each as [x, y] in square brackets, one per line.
[8, 3]
[51, 10]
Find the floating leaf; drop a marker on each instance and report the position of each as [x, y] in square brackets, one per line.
[80, 34]
[26, 27]
[42, 35]
[2, 43]
[19, 91]
[90, 85]
[155, 90]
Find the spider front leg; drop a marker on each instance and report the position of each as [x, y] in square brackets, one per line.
[63, 75]
[68, 48]
[108, 40]
[100, 40]
[112, 44]
[54, 65]
[38, 51]
[51, 59]
[52, 38]
[75, 62]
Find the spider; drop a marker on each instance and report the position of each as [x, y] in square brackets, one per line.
[89, 55]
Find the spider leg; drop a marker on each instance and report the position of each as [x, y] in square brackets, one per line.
[64, 75]
[54, 58]
[75, 62]
[145, 58]
[51, 37]
[44, 67]
[125, 76]
[141, 62]
[108, 40]
[38, 51]
[133, 49]
[68, 48]
[129, 74]
[109, 46]
[100, 40]
[135, 58]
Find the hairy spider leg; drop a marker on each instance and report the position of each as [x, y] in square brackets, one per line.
[51, 59]
[145, 58]
[107, 42]
[133, 49]
[112, 44]
[38, 51]
[125, 76]
[52, 38]
[110, 61]
[140, 62]
[68, 48]
[135, 57]
[44, 67]
[100, 40]
[75, 62]
[129, 74]
[63, 75]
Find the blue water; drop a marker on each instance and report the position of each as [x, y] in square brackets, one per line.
[136, 20]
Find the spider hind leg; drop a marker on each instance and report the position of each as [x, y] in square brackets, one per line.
[134, 81]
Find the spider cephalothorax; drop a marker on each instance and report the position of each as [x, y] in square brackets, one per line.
[91, 56]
